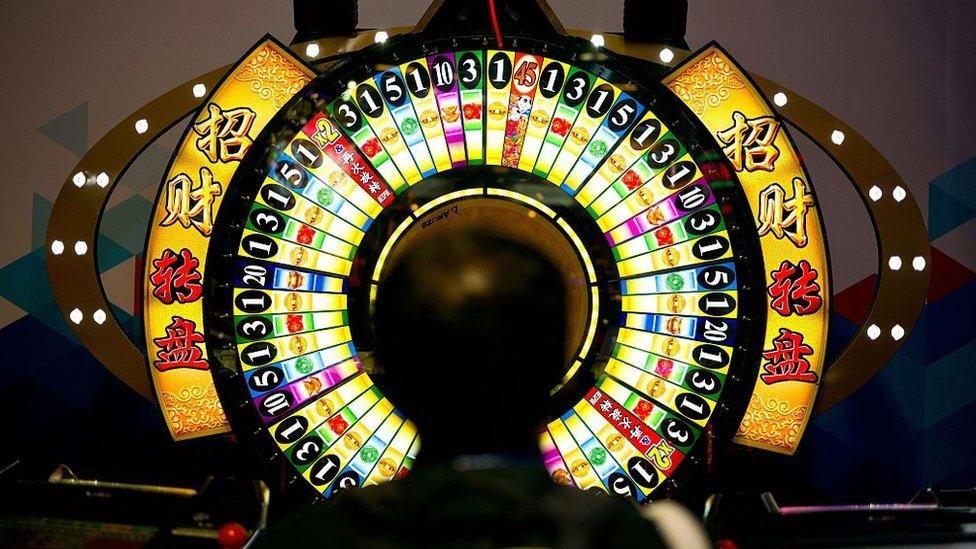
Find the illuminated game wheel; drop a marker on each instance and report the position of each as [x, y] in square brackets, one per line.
[623, 189]
[672, 200]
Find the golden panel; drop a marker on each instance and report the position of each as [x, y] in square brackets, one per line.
[787, 220]
[190, 197]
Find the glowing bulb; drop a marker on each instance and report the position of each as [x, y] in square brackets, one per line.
[598, 40]
[142, 126]
[81, 248]
[57, 247]
[874, 332]
[837, 137]
[199, 90]
[380, 37]
[312, 50]
[918, 263]
[875, 193]
[897, 332]
[780, 99]
[899, 193]
[99, 316]
[894, 262]
[102, 180]
[79, 179]
[76, 316]
[666, 55]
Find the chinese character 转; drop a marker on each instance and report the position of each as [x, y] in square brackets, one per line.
[794, 289]
[175, 277]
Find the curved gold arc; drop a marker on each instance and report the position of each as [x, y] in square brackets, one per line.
[77, 212]
[898, 224]
[900, 230]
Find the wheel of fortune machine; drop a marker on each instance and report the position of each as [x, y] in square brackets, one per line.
[604, 173]
[667, 190]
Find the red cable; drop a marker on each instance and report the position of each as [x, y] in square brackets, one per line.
[494, 22]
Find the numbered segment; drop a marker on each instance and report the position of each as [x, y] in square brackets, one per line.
[668, 426]
[555, 465]
[643, 136]
[715, 304]
[710, 277]
[603, 463]
[282, 400]
[290, 183]
[352, 123]
[470, 75]
[308, 419]
[371, 105]
[261, 353]
[417, 79]
[575, 92]
[499, 82]
[701, 250]
[580, 469]
[525, 79]
[639, 237]
[394, 91]
[299, 208]
[642, 177]
[615, 124]
[690, 405]
[392, 457]
[662, 456]
[267, 248]
[713, 330]
[703, 381]
[551, 79]
[595, 109]
[365, 456]
[270, 222]
[443, 78]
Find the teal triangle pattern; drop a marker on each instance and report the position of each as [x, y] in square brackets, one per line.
[950, 384]
[70, 130]
[126, 223]
[110, 253]
[946, 212]
[41, 214]
[959, 182]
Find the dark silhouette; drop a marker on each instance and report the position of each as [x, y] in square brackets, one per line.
[470, 334]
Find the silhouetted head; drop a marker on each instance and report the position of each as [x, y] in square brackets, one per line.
[470, 336]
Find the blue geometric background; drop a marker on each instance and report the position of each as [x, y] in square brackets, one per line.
[911, 426]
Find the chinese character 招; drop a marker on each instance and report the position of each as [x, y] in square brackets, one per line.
[787, 359]
[795, 289]
[785, 216]
[749, 142]
[179, 347]
[192, 206]
[175, 277]
[223, 134]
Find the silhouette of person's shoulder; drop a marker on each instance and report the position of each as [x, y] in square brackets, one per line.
[442, 507]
